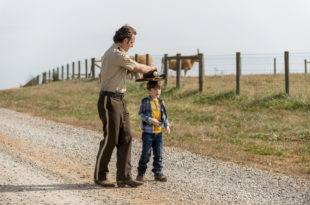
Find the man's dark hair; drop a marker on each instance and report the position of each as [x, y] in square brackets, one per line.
[153, 84]
[125, 31]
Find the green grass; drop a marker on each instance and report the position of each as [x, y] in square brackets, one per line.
[280, 101]
[264, 151]
[246, 128]
[215, 98]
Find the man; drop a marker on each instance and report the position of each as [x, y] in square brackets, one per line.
[112, 109]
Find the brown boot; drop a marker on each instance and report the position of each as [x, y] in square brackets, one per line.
[139, 177]
[104, 183]
[161, 178]
[130, 182]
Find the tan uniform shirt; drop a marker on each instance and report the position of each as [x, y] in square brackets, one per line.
[115, 64]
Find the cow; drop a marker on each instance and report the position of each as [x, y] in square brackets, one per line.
[142, 59]
[186, 64]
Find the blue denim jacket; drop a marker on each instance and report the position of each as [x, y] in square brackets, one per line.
[146, 114]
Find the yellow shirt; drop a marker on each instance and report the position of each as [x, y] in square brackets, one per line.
[156, 114]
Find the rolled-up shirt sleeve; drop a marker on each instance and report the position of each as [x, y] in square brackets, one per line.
[164, 115]
[125, 61]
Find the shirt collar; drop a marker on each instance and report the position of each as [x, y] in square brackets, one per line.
[118, 47]
[150, 98]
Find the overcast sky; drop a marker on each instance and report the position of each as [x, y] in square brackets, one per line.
[37, 35]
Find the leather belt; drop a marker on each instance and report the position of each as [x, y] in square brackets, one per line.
[111, 94]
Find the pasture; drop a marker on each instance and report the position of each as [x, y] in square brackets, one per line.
[263, 127]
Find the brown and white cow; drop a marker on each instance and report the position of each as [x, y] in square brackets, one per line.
[186, 64]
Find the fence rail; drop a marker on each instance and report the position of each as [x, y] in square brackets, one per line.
[179, 59]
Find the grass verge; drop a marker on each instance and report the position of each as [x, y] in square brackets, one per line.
[269, 131]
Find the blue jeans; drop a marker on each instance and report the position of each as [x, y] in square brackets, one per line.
[155, 141]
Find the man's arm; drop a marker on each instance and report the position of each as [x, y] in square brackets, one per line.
[99, 77]
[141, 68]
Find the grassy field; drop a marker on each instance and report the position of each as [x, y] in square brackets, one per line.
[262, 127]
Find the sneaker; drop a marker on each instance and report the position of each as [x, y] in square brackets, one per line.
[161, 178]
[131, 183]
[104, 183]
[139, 177]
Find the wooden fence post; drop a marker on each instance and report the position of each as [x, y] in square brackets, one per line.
[166, 69]
[274, 66]
[306, 69]
[136, 59]
[44, 78]
[287, 70]
[201, 71]
[79, 69]
[49, 76]
[72, 70]
[178, 68]
[238, 72]
[93, 67]
[62, 72]
[68, 72]
[86, 69]
[38, 80]
[57, 73]
[147, 59]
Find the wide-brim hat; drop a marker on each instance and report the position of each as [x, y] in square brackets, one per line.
[152, 76]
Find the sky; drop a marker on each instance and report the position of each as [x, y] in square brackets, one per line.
[39, 35]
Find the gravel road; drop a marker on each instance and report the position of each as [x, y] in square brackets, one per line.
[44, 162]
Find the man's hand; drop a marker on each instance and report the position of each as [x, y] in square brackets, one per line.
[154, 68]
[141, 68]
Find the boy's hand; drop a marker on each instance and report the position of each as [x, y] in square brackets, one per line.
[168, 130]
[155, 122]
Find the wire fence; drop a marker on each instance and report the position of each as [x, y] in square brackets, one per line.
[261, 74]
[251, 64]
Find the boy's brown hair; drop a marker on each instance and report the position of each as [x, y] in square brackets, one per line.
[153, 84]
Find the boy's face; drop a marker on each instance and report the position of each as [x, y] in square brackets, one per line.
[155, 92]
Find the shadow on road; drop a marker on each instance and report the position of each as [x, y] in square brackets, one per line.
[49, 187]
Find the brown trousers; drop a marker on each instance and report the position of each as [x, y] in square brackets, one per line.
[116, 133]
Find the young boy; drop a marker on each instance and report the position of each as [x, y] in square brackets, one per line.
[154, 116]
